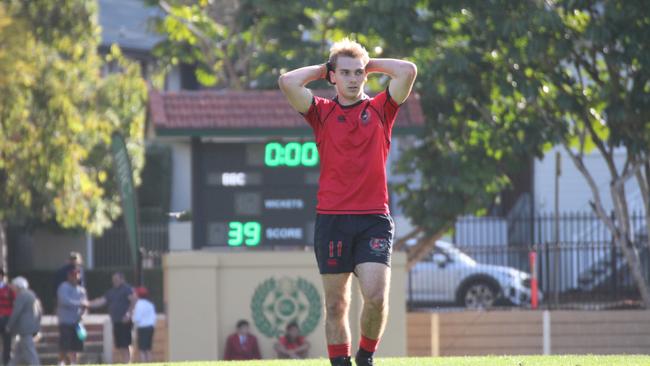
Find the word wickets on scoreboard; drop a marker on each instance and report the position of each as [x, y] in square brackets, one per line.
[257, 194]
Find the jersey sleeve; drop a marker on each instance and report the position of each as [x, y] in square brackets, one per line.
[314, 115]
[387, 106]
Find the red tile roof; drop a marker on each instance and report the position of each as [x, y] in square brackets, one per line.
[206, 112]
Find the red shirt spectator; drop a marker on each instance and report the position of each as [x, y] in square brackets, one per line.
[291, 345]
[242, 345]
[7, 297]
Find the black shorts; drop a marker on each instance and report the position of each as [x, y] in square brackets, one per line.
[122, 334]
[145, 338]
[68, 339]
[343, 241]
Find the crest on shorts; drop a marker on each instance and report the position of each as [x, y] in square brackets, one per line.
[378, 244]
[277, 302]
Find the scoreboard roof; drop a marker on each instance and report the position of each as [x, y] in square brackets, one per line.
[246, 113]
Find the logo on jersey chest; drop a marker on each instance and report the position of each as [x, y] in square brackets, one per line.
[365, 116]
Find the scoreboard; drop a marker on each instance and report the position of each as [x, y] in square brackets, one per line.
[255, 194]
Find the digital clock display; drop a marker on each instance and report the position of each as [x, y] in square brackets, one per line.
[291, 154]
[257, 194]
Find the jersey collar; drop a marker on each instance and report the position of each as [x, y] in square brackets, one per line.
[364, 97]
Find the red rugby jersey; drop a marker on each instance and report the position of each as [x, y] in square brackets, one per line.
[7, 297]
[353, 143]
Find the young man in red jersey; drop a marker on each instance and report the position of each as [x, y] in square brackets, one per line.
[354, 230]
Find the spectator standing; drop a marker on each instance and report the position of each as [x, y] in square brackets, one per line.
[72, 303]
[292, 344]
[24, 323]
[120, 300]
[74, 261]
[6, 304]
[144, 318]
[242, 345]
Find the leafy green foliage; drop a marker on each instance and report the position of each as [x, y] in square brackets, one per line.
[500, 81]
[503, 81]
[247, 44]
[57, 113]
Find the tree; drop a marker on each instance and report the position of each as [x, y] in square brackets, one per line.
[246, 44]
[263, 38]
[57, 114]
[503, 81]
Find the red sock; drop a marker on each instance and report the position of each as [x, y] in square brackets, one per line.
[368, 345]
[339, 350]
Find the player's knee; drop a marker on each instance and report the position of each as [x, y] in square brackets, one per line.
[377, 300]
[337, 308]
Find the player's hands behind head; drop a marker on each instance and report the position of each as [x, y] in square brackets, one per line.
[329, 67]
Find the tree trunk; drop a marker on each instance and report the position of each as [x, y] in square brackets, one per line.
[423, 247]
[643, 180]
[401, 242]
[4, 246]
[634, 263]
[619, 227]
[623, 236]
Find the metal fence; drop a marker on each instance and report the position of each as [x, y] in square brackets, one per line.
[578, 263]
[111, 250]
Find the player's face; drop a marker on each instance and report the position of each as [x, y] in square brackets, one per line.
[117, 280]
[293, 332]
[350, 76]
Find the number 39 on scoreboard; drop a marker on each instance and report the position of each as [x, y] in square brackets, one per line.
[248, 233]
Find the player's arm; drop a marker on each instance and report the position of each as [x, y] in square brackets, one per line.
[293, 84]
[133, 298]
[402, 74]
[281, 349]
[97, 303]
[303, 347]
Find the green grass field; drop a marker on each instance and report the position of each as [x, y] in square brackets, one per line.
[454, 361]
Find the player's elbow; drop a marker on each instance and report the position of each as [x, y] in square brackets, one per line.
[409, 70]
[285, 82]
[282, 81]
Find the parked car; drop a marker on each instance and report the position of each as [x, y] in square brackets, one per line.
[448, 275]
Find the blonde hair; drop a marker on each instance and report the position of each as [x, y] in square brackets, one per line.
[349, 48]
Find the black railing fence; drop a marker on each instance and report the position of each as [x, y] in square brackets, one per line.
[578, 263]
[111, 250]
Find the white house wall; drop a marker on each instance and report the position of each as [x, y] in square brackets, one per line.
[578, 258]
[574, 193]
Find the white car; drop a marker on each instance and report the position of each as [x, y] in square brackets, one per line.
[448, 275]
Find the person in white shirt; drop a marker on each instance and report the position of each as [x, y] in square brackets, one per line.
[144, 319]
